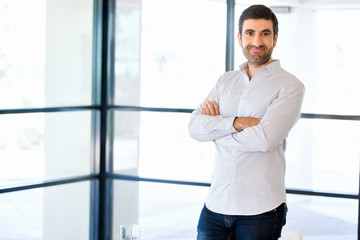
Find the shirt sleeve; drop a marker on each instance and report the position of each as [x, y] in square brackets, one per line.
[274, 127]
[208, 128]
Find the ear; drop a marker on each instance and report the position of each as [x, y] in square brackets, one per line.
[239, 39]
[275, 39]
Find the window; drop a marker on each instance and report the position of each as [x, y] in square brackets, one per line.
[46, 119]
[165, 67]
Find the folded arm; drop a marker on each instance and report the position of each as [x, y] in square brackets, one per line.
[279, 118]
[208, 125]
[211, 108]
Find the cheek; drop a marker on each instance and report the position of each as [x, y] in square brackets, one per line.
[246, 42]
[243, 43]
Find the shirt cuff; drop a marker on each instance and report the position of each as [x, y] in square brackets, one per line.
[227, 125]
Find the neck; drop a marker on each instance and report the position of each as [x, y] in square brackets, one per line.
[253, 69]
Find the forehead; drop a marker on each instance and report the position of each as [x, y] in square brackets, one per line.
[257, 25]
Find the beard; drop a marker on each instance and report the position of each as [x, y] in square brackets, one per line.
[257, 59]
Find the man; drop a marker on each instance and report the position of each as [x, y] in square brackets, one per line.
[248, 114]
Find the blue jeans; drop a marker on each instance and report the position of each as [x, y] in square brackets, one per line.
[266, 226]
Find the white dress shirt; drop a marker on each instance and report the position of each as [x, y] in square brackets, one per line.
[249, 169]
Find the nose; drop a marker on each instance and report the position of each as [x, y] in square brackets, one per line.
[257, 41]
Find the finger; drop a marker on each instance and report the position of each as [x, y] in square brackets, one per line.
[211, 108]
[216, 107]
[203, 108]
[207, 109]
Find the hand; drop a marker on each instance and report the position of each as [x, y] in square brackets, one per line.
[210, 108]
[240, 123]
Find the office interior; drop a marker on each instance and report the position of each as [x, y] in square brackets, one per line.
[96, 96]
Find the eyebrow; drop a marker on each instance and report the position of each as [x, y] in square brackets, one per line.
[252, 30]
[266, 30]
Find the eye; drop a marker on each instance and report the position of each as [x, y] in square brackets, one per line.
[266, 34]
[249, 33]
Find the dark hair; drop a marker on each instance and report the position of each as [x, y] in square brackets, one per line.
[258, 12]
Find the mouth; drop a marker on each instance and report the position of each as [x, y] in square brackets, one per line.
[257, 50]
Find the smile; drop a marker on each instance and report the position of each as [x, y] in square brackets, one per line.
[257, 49]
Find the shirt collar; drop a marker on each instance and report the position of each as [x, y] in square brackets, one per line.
[272, 67]
[275, 65]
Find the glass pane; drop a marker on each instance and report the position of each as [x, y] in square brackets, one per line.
[337, 91]
[320, 218]
[182, 45]
[45, 53]
[51, 213]
[44, 145]
[158, 145]
[323, 155]
[164, 211]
